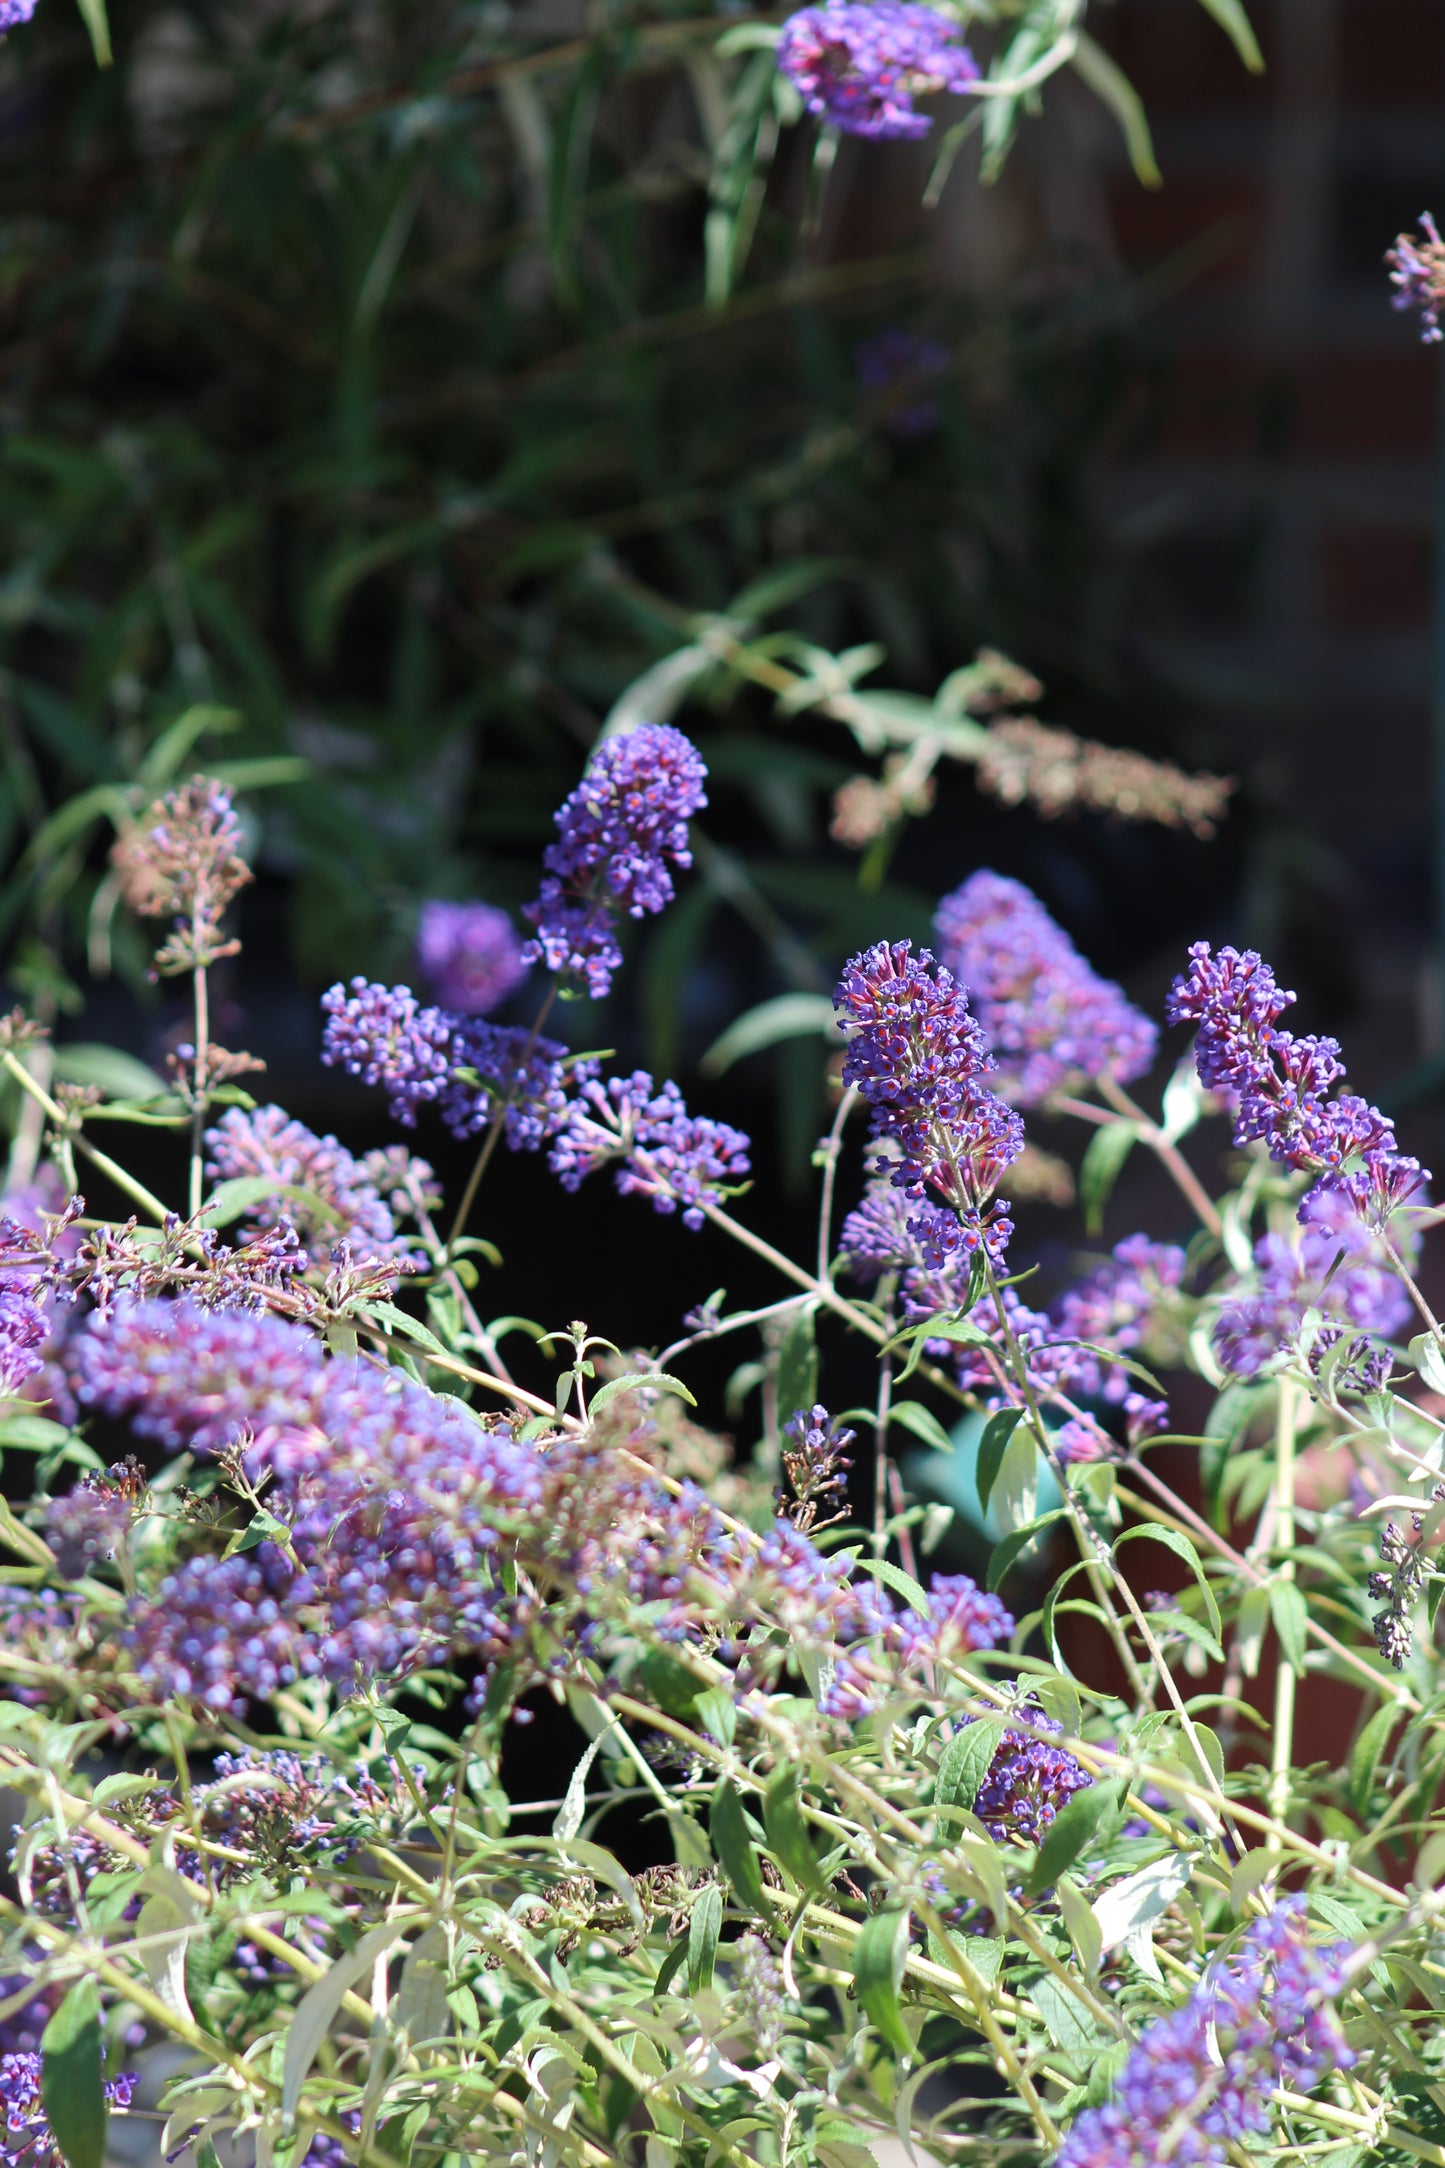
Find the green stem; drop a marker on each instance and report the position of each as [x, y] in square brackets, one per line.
[1282, 1744]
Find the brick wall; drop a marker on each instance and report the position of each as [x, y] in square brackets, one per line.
[1294, 480]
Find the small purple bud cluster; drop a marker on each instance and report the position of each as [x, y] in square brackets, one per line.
[469, 954]
[1417, 273]
[474, 1071]
[860, 68]
[385, 1036]
[15, 12]
[1198, 2083]
[91, 1522]
[961, 1619]
[1028, 1781]
[661, 1151]
[619, 834]
[26, 2139]
[1051, 1024]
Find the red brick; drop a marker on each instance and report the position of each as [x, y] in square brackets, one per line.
[1215, 222]
[1368, 406]
[1373, 578]
[1392, 52]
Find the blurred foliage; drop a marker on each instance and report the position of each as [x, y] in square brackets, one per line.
[388, 388]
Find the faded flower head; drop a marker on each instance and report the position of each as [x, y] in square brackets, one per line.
[1417, 273]
[860, 68]
[1025, 762]
[182, 860]
[469, 954]
[620, 833]
[1049, 1021]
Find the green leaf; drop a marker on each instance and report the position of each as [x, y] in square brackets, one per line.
[1073, 1828]
[787, 1016]
[923, 1424]
[1231, 18]
[965, 1762]
[656, 696]
[1112, 87]
[798, 1366]
[1067, 2021]
[717, 1713]
[878, 1960]
[1102, 1164]
[72, 2083]
[263, 1527]
[1141, 1898]
[883, 1569]
[92, 14]
[733, 1846]
[1429, 1359]
[231, 1200]
[120, 1076]
[1290, 1612]
[788, 1838]
[703, 1929]
[1366, 1752]
[1003, 1554]
[992, 1446]
[653, 1380]
[1173, 1539]
[319, 2005]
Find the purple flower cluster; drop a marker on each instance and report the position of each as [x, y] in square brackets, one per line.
[1199, 2081]
[469, 954]
[961, 1618]
[264, 1143]
[1051, 1023]
[918, 1058]
[662, 1152]
[1111, 1309]
[402, 1511]
[385, 1036]
[1028, 1781]
[1335, 1269]
[15, 12]
[473, 1070]
[1278, 1085]
[1417, 273]
[860, 68]
[26, 2139]
[619, 834]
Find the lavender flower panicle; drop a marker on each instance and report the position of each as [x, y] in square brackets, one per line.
[860, 68]
[470, 955]
[1199, 2080]
[1342, 1276]
[1276, 1084]
[1028, 1781]
[918, 1058]
[619, 834]
[1051, 1024]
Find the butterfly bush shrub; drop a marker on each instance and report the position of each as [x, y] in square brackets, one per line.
[1043, 1866]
